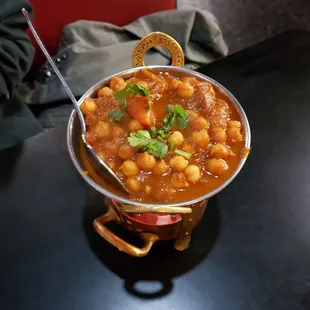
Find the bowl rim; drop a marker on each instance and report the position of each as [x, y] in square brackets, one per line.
[124, 200]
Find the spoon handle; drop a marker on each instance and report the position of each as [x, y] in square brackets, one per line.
[61, 78]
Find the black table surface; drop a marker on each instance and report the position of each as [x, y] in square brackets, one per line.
[250, 251]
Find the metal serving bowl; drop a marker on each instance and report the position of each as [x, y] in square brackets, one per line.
[180, 225]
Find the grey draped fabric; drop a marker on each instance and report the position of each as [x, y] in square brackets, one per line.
[90, 51]
[16, 54]
[16, 51]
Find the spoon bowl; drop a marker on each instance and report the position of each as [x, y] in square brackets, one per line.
[104, 168]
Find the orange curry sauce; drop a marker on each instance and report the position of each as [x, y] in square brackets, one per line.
[214, 137]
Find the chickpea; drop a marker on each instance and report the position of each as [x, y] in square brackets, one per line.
[185, 90]
[190, 80]
[135, 125]
[219, 111]
[177, 137]
[234, 134]
[186, 147]
[102, 129]
[133, 80]
[217, 166]
[143, 84]
[117, 131]
[178, 181]
[222, 103]
[117, 83]
[192, 114]
[173, 85]
[146, 161]
[160, 168]
[148, 190]
[235, 124]
[218, 134]
[110, 147]
[129, 168]
[88, 105]
[133, 184]
[162, 193]
[192, 173]
[201, 138]
[219, 151]
[218, 121]
[198, 123]
[105, 92]
[148, 75]
[178, 163]
[126, 151]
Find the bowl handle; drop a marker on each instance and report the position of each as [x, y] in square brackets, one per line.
[122, 245]
[158, 39]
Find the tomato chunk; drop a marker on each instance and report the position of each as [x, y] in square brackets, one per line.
[137, 108]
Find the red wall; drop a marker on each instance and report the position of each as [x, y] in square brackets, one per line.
[51, 15]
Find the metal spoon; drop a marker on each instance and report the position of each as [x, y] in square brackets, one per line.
[106, 170]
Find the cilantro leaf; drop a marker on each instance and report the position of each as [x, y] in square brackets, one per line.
[181, 116]
[182, 122]
[132, 89]
[128, 90]
[121, 98]
[171, 145]
[175, 116]
[117, 115]
[154, 140]
[182, 153]
[142, 91]
[169, 119]
[153, 132]
[158, 134]
[143, 141]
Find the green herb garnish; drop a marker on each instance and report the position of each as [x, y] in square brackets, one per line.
[117, 115]
[142, 91]
[175, 116]
[154, 140]
[171, 145]
[180, 116]
[128, 90]
[182, 153]
[158, 133]
[143, 141]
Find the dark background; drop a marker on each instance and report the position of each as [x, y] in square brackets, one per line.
[246, 22]
[251, 250]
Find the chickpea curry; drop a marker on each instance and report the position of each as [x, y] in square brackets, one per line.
[169, 137]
